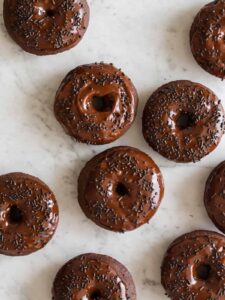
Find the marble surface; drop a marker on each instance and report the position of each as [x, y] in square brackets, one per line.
[149, 41]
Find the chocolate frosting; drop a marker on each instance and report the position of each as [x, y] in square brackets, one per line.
[194, 267]
[46, 27]
[81, 119]
[215, 196]
[207, 38]
[94, 277]
[183, 121]
[120, 189]
[28, 214]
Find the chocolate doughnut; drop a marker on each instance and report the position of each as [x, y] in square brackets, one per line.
[46, 27]
[214, 197]
[120, 189]
[28, 214]
[194, 267]
[93, 277]
[207, 38]
[96, 103]
[183, 121]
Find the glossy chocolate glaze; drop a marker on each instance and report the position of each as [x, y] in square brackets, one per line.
[28, 214]
[207, 38]
[194, 267]
[45, 27]
[183, 121]
[215, 196]
[120, 189]
[93, 277]
[75, 110]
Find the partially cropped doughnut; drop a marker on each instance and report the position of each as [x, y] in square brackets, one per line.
[183, 121]
[96, 103]
[93, 277]
[207, 38]
[194, 267]
[214, 197]
[46, 27]
[120, 189]
[28, 214]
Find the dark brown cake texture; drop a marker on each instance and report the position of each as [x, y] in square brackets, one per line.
[94, 277]
[96, 103]
[214, 197]
[183, 121]
[207, 38]
[120, 189]
[28, 214]
[194, 267]
[46, 27]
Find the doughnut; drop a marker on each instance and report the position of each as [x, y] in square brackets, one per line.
[207, 38]
[194, 267]
[214, 197]
[96, 103]
[93, 277]
[183, 121]
[28, 214]
[46, 27]
[120, 189]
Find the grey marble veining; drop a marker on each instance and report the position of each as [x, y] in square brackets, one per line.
[149, 40]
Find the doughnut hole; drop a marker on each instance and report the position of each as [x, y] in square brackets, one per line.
[15, 215]
[185, 120]
[50, 13]
[103, 103]
[203, 271]
[121, 189]
[96, 295]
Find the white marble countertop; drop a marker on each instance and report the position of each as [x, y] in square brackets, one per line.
[149, 40]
